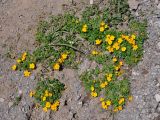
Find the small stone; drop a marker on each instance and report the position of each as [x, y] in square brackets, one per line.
[133, 4]
[158, 6]
[1, 99]
[10, 104]
[157, 97]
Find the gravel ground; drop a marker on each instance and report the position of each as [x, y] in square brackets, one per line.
[18, 20]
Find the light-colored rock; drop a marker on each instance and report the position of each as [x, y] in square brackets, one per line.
[1, 99]
[158, 6]
[157, 97]
[133, 4]
[10, 104]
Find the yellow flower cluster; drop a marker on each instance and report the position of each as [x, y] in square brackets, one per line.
[94, 94]
[98, 42]
[131, 40]
[105, 104]
[32, 93]
[46, 95]
[84, 28]
[103, 26]
[53, 106]
[63, 57]
[32, 66]
[109, 77]
[94, 52]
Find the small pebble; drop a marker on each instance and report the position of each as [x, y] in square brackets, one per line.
[1, 99]
[157, 97]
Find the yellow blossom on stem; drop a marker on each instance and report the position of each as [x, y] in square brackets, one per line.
[14, 67]
[121, 101]
[120, 108]
[19, 60]
[94, 94]
[54, 107]
[84, 30]
[48, 104]
[98, 42]
[109, 79]
[104, 106]
[133, 36]
[45, 109]
[101, 29]
[102, 23]
[56, 66]
[120, 40]
[44, 98]
[106, 26]
[114, 59]
[27, 73]
[50, 94]
[101, 99]
[108, 102]
[120, 63]
[135, 47]
[31, 94]
[130, 98]
[32, 66]
[92, 88]
[64, 56]
[102, 85]
[123, 49]
[115, 110]
[94, 52]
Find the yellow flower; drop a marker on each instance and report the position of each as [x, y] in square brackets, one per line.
[121, 101]
[98, 42]
[31, 94]
[133, 36]
[94, 52]
[24, 56]
[94, 94]
[32, 66]
[135, 47]
[115, 110]
[109, 79]
[123, 49]
[130, 98]
[104, 106]
[102, 23]
[120, 108]
[19, 61]
[84, 26]
[60, 60]
[48, 104]
[117, 68]
[50, 94]
[108, 102]
[120, 40]
[110, 49]
[14, 67]
[77, 21]
[54, 107]
[27, 73]
[56, 66]
[84, 29]
[46, 94]
[44, 98]
[109, 42]
[64, 56]
[57, 103]
[106, 83]
[112, 37]
[92, 88]
[45, 109]
[106, 26]
[110, 75]
[101, 99]
[114, 59]
[102, 85]
[101, 29]
[120, 63]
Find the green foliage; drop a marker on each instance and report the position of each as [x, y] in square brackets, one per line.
[55, 87]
